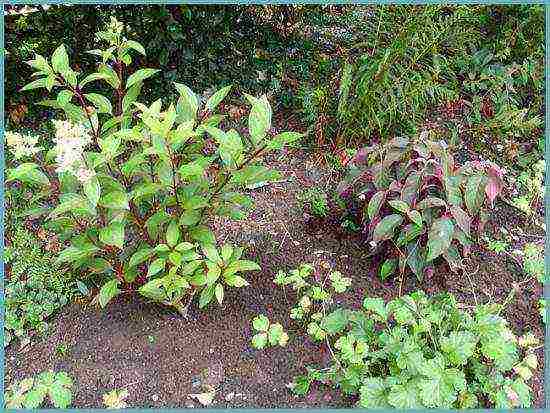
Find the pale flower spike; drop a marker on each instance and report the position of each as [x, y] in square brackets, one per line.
[71, 140]
[22, 146]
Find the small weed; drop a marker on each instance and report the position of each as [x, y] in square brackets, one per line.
[315, 201]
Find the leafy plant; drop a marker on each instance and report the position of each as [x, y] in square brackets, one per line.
[36, 287]
[423, 352]
[31, 393]
[532, 258]
[268, 334]
[531, 184]
[315, 201]
[115, 399]
[417, 204]
[130, 175]
[497, 246]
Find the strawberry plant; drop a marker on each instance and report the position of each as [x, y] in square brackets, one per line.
[416, 204]
[135, 183]
[31, 393]
[421, 352]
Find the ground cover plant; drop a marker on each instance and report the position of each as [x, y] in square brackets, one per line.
[167, 177]
[414, 351]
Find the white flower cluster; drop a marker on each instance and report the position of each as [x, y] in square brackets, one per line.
[71, 140]
[22, 146]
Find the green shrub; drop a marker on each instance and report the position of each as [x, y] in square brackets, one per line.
[137, 183]
[420, 352]
[417, 204]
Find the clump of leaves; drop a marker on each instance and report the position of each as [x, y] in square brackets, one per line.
[315, 201]
[532, 258]
[418, 204]
[531, 185]
[36, 287]
[497, 246]
[129, 176]
[268, 334]
[423, 352]
[116, 399]
[31, 393]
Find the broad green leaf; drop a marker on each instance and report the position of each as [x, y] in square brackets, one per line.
[375, 203]
[283, 139]
[259, 120]
[102, 104]
[259, 341]
[385, 228]
[202, 234]
[187, 105]
[377, 306]
[115, 200]
[399, 205]
[156, 266]
[92, 190]
[404, 396]
[35, 84]
[64, 97]
[172, 233]
[113, 234]
[132, 44]
[206, 296]
[140, 76]
[387, 268]
[439, 238]
[27, 173]
[92, 78]
[275, 333]
[335, 322]
[219, 293]
[141, 255]
[60, 60]
[373, 394]
[216, 98]
[108, 292]
[260, 323]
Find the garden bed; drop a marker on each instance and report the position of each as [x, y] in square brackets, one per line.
[162, 358]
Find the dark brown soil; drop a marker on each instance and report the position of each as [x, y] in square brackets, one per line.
[161, 358]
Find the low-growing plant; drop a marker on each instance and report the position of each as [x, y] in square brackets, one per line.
[531, 185]
[532, 259]
[315, 201]
[31, 393]
[135, 184]
[417, 204]
[116, 399]
[422, 352]
[497, 246]
[268, 334]
[35, 287]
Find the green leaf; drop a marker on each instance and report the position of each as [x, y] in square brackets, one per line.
[202, 234]
[206, 296]
[113, 234]
[241, 265]
[387, 268]
[259, 120]
[385, 228]
[283, 139]
[132, 44]
[260, 323]
[459, 346]
[156, 266]
[474, 193]
[235, 281]
[275, 333]
[92, 190]
[108, 292]
[141, 255]
[140, 76]
[35, 397]
[27, 173]
[439, 238]
[216, 98]
[172, 233]
[35, 84]
[60, 395]
[219, 293]
[115, 200]
[60, 60]
[187, 104]
[399, 205]
[259, 341]
[102, 104]
[153, 290]
[64, 97]
[92, 78]
[375, 203]
[377, 306]
[373, 394]
[335, 322]
[404, 396]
